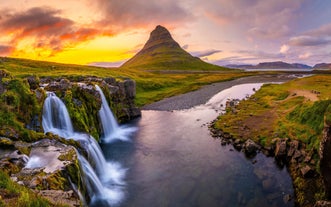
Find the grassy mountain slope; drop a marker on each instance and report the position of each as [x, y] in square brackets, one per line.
[162, 52]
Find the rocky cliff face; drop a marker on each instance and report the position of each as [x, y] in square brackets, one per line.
[325, 159]
[83, 101]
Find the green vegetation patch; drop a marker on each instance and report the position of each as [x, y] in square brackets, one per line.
[13, 194]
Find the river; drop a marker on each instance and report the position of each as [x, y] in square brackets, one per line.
[172, 160]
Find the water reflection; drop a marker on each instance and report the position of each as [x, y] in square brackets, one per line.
[173, 161]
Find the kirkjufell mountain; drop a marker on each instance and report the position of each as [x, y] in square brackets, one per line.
[162, 52]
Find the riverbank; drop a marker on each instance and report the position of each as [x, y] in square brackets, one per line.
[202, 95]
[288, 121]
[272, 119]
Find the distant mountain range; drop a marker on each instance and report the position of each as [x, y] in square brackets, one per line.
[162, 52]
[272, 65]
[322, 66]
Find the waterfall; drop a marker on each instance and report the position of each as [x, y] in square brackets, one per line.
[111, 130]
[108, 121]
[99, 193]
[56, 118]
[105, 185]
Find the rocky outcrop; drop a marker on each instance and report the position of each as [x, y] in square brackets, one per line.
[325, 159]
[121, 94]
[45, 169]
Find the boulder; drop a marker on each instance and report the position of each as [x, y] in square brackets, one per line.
[250, 147]
[293, 146]
[33, 82]
[130, 88]
[281, 150]
[307, 171]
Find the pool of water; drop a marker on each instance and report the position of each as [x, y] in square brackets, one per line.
[173, 161]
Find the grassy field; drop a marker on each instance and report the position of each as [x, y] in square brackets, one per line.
[294, 110]
[151, 86]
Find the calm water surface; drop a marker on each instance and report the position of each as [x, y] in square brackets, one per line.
[173, 161]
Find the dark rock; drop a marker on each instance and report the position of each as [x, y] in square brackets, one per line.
[33, 82]
[307, 171]
[110, 80]
[65, 84]
[250, 147]
[293, 146]
[18, 158]
[297, 155]
[281, 150]
[130, 88]
[308, 157]
[325, 159]
[237, 144]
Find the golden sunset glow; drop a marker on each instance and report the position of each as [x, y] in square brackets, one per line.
[218, 31]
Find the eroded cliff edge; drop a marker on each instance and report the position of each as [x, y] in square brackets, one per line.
[56, 173]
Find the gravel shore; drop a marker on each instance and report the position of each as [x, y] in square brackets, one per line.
[201, 96]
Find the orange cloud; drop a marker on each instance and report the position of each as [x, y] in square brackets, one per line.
[45, 29]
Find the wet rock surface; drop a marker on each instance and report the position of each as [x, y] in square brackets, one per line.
[44, 169]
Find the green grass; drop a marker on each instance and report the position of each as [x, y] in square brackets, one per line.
[293, 116]
[151, 86]
[13, 194]
[277, 111]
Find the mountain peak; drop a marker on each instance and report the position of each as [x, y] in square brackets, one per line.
[160, 36]
[162, 52]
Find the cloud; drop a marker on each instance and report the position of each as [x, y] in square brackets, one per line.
[45, 28]
[324, 30]
[120, 15]
[263, 19]
[284, 49]
[258, 54]
[305, 55]
[5, 50]
[205, 53]
[309, 41]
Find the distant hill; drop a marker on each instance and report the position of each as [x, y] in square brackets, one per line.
[322, 66]
[162, 52]
[272, 65]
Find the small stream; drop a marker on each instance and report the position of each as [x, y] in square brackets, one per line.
[173, 161]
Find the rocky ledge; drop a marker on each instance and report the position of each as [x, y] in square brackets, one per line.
[48, 167]
[303, 168]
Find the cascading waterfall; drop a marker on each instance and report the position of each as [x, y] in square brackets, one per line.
[108, 121]
[105, 185]
[56, 118]
[111, 130]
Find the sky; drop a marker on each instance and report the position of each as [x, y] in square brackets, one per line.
[109, 32]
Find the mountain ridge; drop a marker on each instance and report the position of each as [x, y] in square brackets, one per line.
[272, 65]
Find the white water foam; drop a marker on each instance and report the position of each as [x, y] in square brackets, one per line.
[111, 130]
[106, 183]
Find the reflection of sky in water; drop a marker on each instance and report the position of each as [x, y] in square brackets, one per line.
[173, 161]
